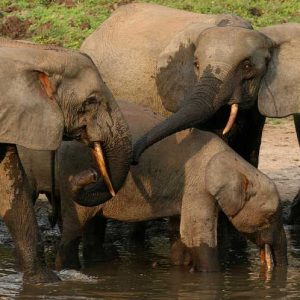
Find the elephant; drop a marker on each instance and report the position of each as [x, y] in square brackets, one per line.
[294, 213]
[49, 93]
[193, 65]
[200, 175]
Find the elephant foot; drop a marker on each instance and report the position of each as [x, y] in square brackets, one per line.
[41, 276]
[67, 256]
[61, 262]
[180, 254]
[293, 217]
[204, 259]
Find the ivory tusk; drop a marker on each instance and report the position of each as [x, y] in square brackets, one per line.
[98, 154]
[269, 257]
[232, 117]
[266, 257]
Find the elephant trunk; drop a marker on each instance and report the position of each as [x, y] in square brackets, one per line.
[279, 249]
[117, 148]
[198, 109]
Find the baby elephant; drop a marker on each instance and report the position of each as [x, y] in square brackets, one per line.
[192, 173]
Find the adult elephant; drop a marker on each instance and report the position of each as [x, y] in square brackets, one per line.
[47, 93]
[294, 213]
[193, 65]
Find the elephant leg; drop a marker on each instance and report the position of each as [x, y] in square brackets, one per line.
[138, 232]
[294, 214]
[67, 256]
[179, 252]
[54, 216]
[93, 242]
[17, 211]
[297, 126]
[198, 230]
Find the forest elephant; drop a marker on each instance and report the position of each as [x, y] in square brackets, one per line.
[193, 65]
[48, 94]
[189, 181]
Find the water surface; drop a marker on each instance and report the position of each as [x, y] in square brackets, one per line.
[145, 272]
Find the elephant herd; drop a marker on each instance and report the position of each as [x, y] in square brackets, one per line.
[195, 89]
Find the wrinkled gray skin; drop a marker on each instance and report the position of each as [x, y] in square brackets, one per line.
[193, 65]
[48, 92]
[189, 181]
[294, 214]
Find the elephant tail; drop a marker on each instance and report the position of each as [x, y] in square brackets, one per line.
[54, 212]
[52, 198]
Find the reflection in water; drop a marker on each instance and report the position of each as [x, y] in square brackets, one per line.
[145, 272]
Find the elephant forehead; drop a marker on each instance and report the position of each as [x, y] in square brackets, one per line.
[86, 83]
[226, 43]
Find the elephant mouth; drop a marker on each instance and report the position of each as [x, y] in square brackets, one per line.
[88, 179]
[78, 134]
[246, 105]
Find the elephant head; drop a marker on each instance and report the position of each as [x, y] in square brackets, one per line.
[48, 93]
[206, 67]
[250, 200]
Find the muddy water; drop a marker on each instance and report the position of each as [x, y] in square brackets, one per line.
[144, 272]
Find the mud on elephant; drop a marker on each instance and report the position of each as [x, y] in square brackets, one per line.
[189, 181]
[193, 64]
[49, 93]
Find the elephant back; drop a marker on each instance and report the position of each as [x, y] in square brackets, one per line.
[127, 46]
[139, 118]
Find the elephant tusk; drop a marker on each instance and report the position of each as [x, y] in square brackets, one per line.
[266, 257]
[232, 117]
[269, 257]
[98, 154]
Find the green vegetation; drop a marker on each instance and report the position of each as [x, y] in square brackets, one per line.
[273, 121]
[68, 22]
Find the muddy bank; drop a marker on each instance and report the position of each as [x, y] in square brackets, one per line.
[280, 159]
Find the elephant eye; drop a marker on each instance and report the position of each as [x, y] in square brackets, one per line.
[196, 64]
[247, 65]
[88, 104]
[248, 69]
[91, 100]
[267, 59]
[81, 110]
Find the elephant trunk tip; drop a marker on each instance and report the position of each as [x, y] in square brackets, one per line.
[82, 179]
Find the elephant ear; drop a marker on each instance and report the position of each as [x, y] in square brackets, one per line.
[279, 94]
[227, 183]
[175, 75]
[29, 113]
